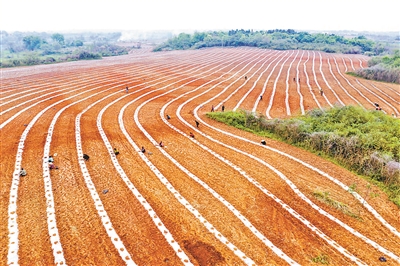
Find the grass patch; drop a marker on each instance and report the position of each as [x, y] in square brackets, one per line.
[321, 259]
[364, 142]
[325, 198]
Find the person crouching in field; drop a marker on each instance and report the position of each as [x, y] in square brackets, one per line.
[22, 172]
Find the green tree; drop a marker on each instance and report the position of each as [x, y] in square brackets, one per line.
[32, 42]
[57, 37]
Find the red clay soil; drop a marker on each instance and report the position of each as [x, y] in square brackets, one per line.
[203, 219]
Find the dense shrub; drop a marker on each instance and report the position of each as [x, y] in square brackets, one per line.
[383, 68]
[380, 72]
[367, 142]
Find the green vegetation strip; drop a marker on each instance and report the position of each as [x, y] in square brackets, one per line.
[272, 39]
[365, 142]
[383, 68]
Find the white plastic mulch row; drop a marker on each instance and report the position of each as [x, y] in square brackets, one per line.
[287, 84]
[215, 194]
[67, 91]
[52, 94]
[338, 82]
[237, 213]
[157, 221]
[326, 82]
[254, 83]
[387, 95]
[105, 219]
[179, 197]
[295, 214]
[379, 97]
[13, 224]
[360, 199]
[300, 194]
[298, 85]
[22, 88]
[41, 91]
[308, 79]
[358, 91]
[351, 63]
[296, 190]
[12, 209]
[270, 54]
[315, 78]
[393, 90]
[271, 99]
[266, 81]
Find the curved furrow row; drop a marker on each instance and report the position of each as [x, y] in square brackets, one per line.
[299, 193]
[13, 226]
[165, 181]
[337, 99]
[308, 79]
[271, 98]
[298, 85]
[254, 62]
[67, 91]
[254, 83]
[250, 179]
[198, 180]
[394, 109]
[215, 197]
[385, 94]
[287, 86]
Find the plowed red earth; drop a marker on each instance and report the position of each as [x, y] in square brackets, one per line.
[213, 200]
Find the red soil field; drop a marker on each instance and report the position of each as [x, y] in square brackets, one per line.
[220, 198]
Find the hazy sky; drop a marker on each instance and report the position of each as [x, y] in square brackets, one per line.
[63, 15]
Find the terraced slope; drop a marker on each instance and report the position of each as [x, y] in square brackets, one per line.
[218, 198]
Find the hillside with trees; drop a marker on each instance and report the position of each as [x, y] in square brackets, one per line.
[25, 49]
[382, 68]
[272, 39]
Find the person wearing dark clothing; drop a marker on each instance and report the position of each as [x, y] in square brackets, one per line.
[143, 150]
[191, 135]
[86, 157]
[197, 123]
[116, 152]
[161, 144]
[22, 172]
[52, 166]
[260, 97]
[245, 77]
[223, 108]
[212, 108]
[168, 117]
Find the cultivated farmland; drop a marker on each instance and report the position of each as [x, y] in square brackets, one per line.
[220, 198]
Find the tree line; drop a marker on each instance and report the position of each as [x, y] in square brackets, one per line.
[272, 39]
[21, 49]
